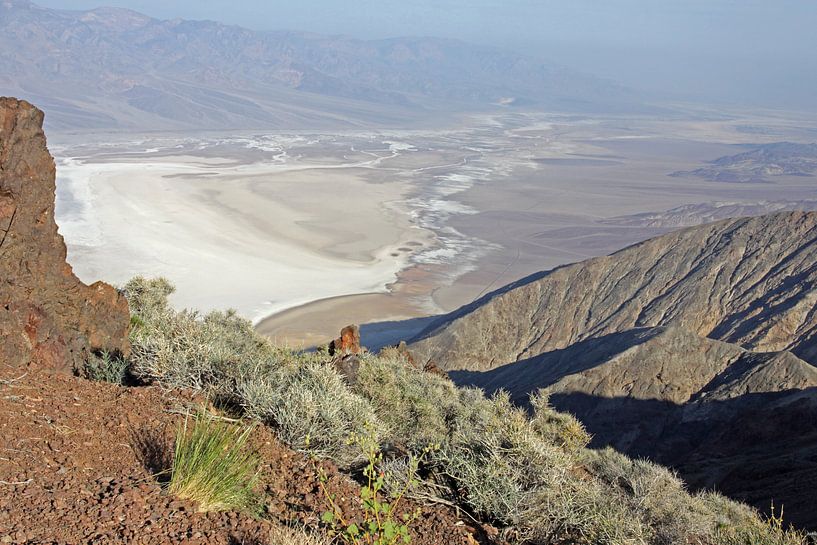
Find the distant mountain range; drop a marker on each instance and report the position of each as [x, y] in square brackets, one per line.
[696, 349]
[759, 163]
[115, 68]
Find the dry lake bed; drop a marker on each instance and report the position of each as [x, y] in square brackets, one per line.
[304, 232]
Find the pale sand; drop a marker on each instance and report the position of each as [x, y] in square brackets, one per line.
[229, 235]
[318, 322]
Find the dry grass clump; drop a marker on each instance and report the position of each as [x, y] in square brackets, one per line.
[284, 535]
[213, 467]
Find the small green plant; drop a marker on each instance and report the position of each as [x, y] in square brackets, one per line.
[105, 367]
[383, 522]
[213, 466]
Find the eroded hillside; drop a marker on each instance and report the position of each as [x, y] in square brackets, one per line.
[747, 281]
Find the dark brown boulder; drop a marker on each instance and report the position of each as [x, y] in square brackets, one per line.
[48, 318]
[348, 367]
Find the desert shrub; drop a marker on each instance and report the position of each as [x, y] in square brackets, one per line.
[415, 407]
[515, 470]
[660, 498]
[510, 472]
[560, 429]
[310, 406]
[213, 466]
[221, 354]
[583, 510]
[147, 296]
[759, 532]
[739, 524]
[186, 350]
[105, 367]
[655, 494]
[530, 473]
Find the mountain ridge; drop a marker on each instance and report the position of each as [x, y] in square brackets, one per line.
[117, 68]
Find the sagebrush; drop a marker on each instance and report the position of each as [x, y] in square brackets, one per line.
[531, 474]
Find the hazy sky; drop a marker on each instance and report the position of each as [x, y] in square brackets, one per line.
[757, 50]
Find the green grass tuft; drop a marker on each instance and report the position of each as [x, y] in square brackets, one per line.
[213, 467]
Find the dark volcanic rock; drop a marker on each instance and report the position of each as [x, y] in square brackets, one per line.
[48, 318]
[346, 349]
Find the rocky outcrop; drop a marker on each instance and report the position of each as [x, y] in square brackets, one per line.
[643, 390]
[48, 318]
[347, 343]
[669, 364]
[346, 350]
[749, 281]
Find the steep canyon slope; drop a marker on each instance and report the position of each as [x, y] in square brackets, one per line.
[747, 281]
[696, 349]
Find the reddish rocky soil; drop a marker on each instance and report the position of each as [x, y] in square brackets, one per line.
[78, 461]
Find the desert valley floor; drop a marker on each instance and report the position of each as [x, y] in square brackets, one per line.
[384, 226]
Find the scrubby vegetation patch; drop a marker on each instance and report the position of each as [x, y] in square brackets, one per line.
[530, 474]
